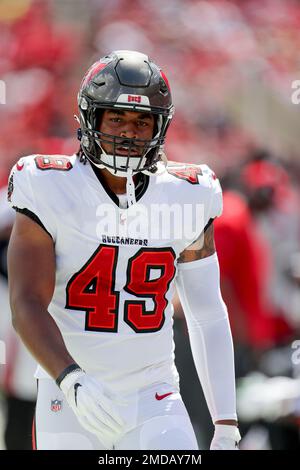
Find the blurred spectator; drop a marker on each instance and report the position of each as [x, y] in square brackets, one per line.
[245, 270]
[257, 240]
[275, 205]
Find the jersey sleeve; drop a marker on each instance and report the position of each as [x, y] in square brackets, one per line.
[215, 203]
[26, 195]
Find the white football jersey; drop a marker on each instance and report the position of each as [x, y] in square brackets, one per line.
[116, 267]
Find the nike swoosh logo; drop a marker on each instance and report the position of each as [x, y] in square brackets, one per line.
[161, 397]
[75, 389]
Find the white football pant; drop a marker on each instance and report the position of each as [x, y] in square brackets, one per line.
[155, 419]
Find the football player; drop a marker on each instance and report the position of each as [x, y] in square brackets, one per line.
[92, 275]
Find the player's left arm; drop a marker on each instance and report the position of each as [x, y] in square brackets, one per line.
[202, 248]
[198, 286]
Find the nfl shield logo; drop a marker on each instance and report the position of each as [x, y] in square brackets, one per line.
[56, 405]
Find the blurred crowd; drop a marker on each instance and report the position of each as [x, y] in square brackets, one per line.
[231, 64]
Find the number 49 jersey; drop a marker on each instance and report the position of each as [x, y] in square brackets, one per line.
[115, 268]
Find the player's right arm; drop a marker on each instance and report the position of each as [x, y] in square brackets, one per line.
[31, 274]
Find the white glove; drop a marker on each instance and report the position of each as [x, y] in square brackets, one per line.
[226, 437]
[94, 410]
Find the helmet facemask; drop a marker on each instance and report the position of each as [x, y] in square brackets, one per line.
[142, 154]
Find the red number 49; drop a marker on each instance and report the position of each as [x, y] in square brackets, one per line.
[93, 289]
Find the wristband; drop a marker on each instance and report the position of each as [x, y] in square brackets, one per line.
[66, 372]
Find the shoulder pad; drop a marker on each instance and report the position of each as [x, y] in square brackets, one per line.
[185, 171]
[28, 192]
[209, 178]
[203, 176]
[53, 162]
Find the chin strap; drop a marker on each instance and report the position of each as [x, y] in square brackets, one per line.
[130, 188]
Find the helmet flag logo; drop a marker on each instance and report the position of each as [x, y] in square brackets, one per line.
[136, 99]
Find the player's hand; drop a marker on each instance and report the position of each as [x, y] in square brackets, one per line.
[226, 437]
[94, 410]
